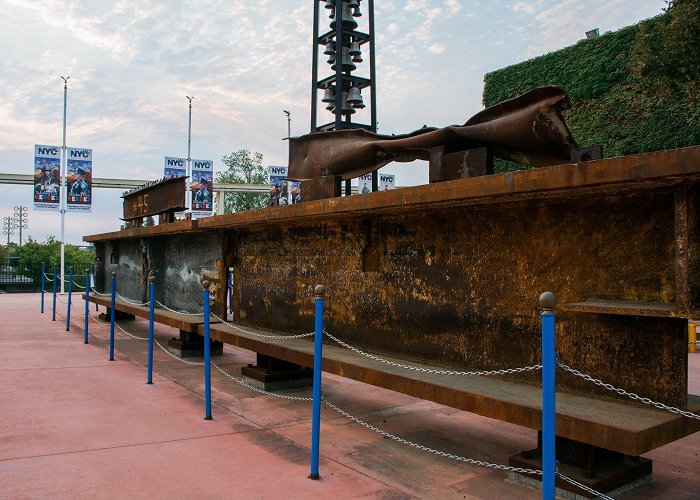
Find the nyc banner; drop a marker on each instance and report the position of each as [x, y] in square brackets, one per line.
[175, 167]
[279, 187]
[386, 182]
[47, 177]
[79, 180]
[202, 188]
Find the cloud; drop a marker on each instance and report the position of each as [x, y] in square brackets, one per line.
[437, 48]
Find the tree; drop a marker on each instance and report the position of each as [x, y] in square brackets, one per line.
[148, 221]
[33, 253]
[243, 167]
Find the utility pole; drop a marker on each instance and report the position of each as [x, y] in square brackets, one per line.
[21, 214]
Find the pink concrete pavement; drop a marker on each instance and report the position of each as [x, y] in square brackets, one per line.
[76, 425]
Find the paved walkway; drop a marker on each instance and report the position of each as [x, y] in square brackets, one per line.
[75, 425]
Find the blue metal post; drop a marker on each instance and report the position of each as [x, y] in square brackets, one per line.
[97, 307]
[230, 290]
[54, 294]
[43, 284]
[70, 296]
[151, 313]
[547, 301]
[318, 364]
[111, 319]
[87, 304]
[207, 352]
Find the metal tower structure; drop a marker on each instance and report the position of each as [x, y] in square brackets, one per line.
[342, 90]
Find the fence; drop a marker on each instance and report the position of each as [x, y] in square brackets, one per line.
[549, 366]
[26, 278]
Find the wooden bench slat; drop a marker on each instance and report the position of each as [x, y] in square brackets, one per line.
[625, 428]
[163, 316]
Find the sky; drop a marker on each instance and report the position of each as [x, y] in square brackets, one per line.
[132, 62]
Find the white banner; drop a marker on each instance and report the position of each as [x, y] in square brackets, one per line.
[202, 188]
[364, 184]
[387, 181]
[47, 177]
[79, 180]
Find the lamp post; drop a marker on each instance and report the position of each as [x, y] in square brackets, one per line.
[63, 190]
[188, 201]
[21, 216]
[289, 123]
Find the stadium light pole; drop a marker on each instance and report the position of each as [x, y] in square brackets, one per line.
[63, 191]
[188, 201]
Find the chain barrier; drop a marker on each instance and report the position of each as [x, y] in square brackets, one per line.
[181, 360]
[257, 389]
[584, 487]
[92, 289]
[431, 450]
[81, 287]
[630, 395]
[178, 312]
[420, 369]
[129, 334]
[129, 301]
[46, 277]
[255, 334]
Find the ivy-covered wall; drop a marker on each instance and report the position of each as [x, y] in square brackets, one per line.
[626, 91]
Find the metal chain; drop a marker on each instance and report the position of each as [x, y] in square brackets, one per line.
[178, 312]
[81, 287]
[98, 321]
[584, 487]
[257, 389]
[99, 293]
[431, 450]
[506, 371]
[254, 334]
[129, 301]
[181, 360]
[129, 334]
[630, 395]
[46, 277]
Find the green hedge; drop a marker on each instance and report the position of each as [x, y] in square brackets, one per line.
[615, 102]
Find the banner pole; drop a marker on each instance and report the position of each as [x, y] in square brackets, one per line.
[188, 200]
[62, 187]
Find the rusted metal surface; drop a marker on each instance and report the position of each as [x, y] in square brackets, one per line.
[459, 287]
[608, 424]
[527, 129]
[450, 273]
[628, 173]
[165, 196]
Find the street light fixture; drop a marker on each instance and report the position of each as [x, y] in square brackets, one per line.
[289, 123]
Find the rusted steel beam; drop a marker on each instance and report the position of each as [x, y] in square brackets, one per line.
[527, 129]
[681, 235]
[625, 173]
